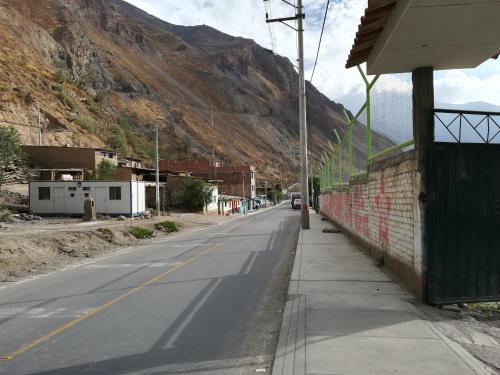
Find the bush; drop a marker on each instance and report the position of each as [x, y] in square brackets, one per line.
[94, 108]
[196, 194]
[10, 150]
[141, 233]
[106, 170]
[99, 96]
[5, 216]
[86, 123]
[66, 99]
[167, 226]
[60, 76]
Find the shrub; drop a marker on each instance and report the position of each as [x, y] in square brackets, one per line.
[106, 234]
[196, 194]
[66, 99]
[489, 309]
[60, 76]
[106, 170]
[94, 108]
[86, 123]
[99, 96]
[141, 233]
[23, 60]
[10, 150]
[167, 226]
[5, 216]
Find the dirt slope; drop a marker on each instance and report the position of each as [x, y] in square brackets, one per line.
[103, 72]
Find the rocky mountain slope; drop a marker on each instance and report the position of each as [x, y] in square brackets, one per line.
[104, 73]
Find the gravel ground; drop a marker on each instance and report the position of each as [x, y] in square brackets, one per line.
[38, 247]
[476, 328]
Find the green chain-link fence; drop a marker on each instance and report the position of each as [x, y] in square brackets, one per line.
[387, 111]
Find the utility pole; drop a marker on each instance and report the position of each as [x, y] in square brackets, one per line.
[157, 134]
[304, 191]
[265, 201]
[40, 136]
[244, 201]
[214, 176]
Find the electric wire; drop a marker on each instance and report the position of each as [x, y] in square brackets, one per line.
[272, 35]
[320, 40]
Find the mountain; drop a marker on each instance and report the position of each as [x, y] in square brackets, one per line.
[104, 73]
[472, 106]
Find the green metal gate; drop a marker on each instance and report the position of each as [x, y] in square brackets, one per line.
[463, 223]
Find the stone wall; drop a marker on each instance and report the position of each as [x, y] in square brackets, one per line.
[381, 209]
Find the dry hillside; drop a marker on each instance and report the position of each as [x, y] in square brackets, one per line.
[103, 72]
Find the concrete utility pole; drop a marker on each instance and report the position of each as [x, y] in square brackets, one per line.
[157, 135]
[303, 124]
[304, 191]
[40, 130]
[265, 200]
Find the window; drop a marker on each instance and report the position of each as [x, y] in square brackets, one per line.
[86, 188]
[87, 195]
[115, 193]
[72, 195]
[72, 188]
[44, 194]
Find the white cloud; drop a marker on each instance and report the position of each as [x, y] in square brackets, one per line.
[461, 87]
[247, 18]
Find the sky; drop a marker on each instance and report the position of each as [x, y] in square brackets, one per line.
[246, 18]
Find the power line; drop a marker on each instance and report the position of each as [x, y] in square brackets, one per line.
[320, 39]
[269, 14]
[18, 124]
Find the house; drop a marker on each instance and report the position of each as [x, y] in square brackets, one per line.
[60, 158]
[66, 198]
[228, 205]
[232, 180]
[56, 163]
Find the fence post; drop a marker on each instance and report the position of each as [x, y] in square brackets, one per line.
[350, 151]
[339, 148]
[350, 124]
[369, 86]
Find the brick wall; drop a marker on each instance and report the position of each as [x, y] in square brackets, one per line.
[381, 209]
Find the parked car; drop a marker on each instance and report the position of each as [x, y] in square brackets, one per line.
[296, 202]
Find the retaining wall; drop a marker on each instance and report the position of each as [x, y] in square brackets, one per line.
[381, 210]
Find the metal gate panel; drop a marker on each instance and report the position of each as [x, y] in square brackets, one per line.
[463, 223]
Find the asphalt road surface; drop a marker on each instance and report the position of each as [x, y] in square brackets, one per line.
[205, 302]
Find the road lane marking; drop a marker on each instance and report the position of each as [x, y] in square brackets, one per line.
[178, 331]
[250, 264]
[25, 348]
[131, 265]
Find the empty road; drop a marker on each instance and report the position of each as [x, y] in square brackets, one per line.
[205, 302]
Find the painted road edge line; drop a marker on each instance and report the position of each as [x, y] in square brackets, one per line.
[26, 347]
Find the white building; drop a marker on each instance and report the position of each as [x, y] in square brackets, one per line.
[127, 198]
[213, 205]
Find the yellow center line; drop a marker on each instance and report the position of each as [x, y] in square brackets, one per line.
[23, 349]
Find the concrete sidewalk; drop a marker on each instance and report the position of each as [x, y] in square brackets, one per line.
[346, 316]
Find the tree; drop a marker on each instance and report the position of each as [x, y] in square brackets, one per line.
[207, 196]
[10, 150]
[106, 170]
[196, 194]
[276, 194]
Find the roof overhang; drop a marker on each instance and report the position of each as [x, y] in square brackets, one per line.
[398, 36]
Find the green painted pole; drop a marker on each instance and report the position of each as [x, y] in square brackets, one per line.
[339, 149]
[369, 86]
[350, 151]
